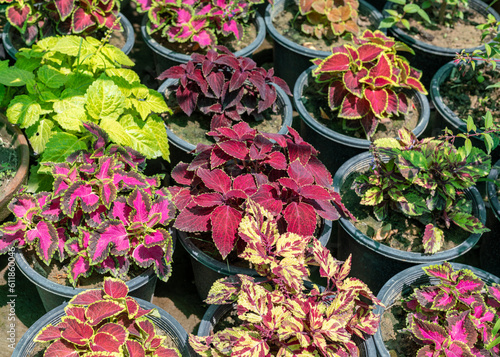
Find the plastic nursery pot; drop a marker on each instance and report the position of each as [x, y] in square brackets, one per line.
[430, 57]
[290, 58]
[166, 323]
[53, 294]
[165, 58]
[490, 243]
[335, 148]
[404, 282]
[373, 262]
[16, 138]
[207, 269]
[180, 149]
[128, 31]
[451, 120]
[215, 313]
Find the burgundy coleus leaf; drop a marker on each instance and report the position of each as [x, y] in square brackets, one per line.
[100, 310]
[115, 288]
[353, 107]
[245, 183]
[97, 217]
[268, 197]
[163, 351]
[216, 180]
[301, 218]
[132, 306]
[105, 342]
[135, 349]
[193, 218]
[79, 192]
[155, 256]
[378, 99]
[225, 221]
[369, 51]
[48, 333]
[51, 210]
[64, 8]
[18, 14]
[81, 20]
[298, 172]
[181, 174]
[76, 332]
[352, 81]
[111, 237]
[78, 312]
[147, 328]
[234, 148]
[87, 297]
[337, 62]
[61, 348]
[428, 332]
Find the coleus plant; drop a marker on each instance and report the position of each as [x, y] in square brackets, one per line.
[365, 82]
[197, 21]
[329, 18]
[61, 82]
[224, 87]
[102, 215]
[425, 180]
[36, 19]
[279, 315]
[280, 172]
[105, 323]
[455, 316]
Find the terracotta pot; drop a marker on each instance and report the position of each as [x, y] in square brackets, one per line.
[23, 154]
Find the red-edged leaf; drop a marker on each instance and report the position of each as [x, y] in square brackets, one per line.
[77, 332]
[100, 310]
[301, 218]
[315, 192]
[115, 288]
[225, 221]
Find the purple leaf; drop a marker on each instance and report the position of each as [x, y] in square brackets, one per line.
[193, 219]
[157, 237]
[48, 240]
[111, 237]
[78, 267]
[155, 255]
[79, 192]
[216, 180]
[301, 218]
[141, 205]
[225, 222]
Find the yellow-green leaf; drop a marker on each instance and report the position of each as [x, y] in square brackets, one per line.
[104, 100]
[23, 110]
[51, 76]
[40, 134]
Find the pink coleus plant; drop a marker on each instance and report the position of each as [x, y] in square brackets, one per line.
[366, 82]
[105, 323]
[103, 214]
[36, 19]
[280, 172]
[224, 87]
[454, 317]
[197, 21]
[279, 315]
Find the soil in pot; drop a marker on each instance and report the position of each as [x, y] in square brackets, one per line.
[397, 231]
[231, 42]
[8, 162]
[193, 129]
[465, 92]
[317, 106]
[288, 24]
[463, 34]
[57, 272]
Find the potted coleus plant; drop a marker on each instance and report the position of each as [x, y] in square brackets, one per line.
[218, 90]
[105, 322]
[176, 29]
[280, 172]
[437, 30]
[280, 314]
[450, 309]
[307, 29]
[102, 215]
[418, 202]
[31, 20]
[360, 92]
[62, 82]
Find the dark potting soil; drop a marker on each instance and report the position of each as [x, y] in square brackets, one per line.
[231, 42]
[397, 231]
[465, 92]
[463, 34]
[57, 272]
[397, 342]
[193, 129]
[317, 105]
[8, 163]
[289, 22]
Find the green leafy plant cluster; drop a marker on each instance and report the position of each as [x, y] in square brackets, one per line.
[62, 82]
[279, 315]
[425, 180]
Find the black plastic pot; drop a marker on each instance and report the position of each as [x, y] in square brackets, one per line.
[207, 269]
[165, 58]
[490, 242]
[165, 323]
[430, 57]
[404, 282]
[335, 148]
[215, 313]
[128, 30]
[180, 149]
[290, 58]
[449, 118]
[373, 262]
[53, 294]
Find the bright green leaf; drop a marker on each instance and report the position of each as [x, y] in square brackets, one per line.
[116, 132]
[411, 8]
[153, 103]
[51, 77]
[40, 134]
[72, 46]
[61, 145]
[104, 100]
[71, 120]
[15, 77]
[23, 110]
[141, 140]
[424, 15]
[157, 127]
[387, 22]
[117, 55]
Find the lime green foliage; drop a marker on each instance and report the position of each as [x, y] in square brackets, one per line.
[62, 82]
